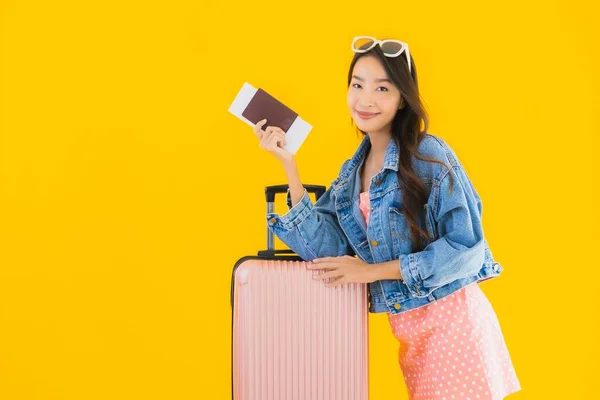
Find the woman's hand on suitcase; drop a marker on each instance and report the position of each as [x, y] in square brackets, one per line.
[273, 139]
[344, 269]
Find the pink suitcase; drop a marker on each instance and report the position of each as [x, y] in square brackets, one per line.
[292, 337]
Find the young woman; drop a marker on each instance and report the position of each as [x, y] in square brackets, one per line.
[405, 207]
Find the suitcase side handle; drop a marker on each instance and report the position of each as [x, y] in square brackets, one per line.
[270, 192]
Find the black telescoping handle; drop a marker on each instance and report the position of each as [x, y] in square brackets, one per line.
[270, 192]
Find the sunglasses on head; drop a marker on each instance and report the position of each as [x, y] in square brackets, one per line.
[389, 47]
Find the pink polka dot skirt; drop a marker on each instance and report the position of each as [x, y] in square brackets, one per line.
[452, 348]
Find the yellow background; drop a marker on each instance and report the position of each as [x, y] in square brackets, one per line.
[128, 192]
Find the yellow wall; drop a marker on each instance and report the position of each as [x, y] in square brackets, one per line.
[116, 252]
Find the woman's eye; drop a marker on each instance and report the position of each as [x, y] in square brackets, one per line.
[357, 86]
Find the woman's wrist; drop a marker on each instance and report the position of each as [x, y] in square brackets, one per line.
[289, 164]
[387, 270]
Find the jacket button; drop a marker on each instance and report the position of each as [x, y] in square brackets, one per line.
[374, 243]
[273, 220]
[378, 182]
[397, 306]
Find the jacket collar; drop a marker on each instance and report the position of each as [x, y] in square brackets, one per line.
[390, 159]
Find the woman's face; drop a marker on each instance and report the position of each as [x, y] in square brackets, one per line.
[372, 92]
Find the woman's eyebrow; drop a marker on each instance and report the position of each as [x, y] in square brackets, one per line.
[358, 78]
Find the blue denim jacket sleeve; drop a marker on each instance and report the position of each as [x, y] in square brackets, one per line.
[459, 248]
[311, 230]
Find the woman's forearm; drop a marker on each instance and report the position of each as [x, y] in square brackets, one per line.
[387, 270]
[294, 182]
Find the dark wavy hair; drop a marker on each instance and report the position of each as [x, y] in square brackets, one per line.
[409, 127]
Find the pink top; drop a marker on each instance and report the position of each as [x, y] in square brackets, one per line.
[452, 348]
[364, 206]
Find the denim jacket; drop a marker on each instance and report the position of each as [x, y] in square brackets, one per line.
[456, 254]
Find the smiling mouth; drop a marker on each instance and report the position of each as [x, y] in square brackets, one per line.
[363, 115]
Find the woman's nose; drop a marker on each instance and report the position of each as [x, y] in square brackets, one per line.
[366, 100]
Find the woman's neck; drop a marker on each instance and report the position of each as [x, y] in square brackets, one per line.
[379, 144]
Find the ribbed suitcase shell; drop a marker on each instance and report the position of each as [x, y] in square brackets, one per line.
[292, 337]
